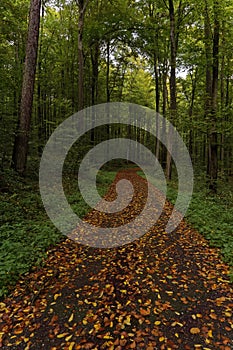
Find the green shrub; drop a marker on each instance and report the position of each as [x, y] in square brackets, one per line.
[26, 231]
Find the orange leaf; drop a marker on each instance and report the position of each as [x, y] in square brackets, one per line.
[194, 330]
[144, 312]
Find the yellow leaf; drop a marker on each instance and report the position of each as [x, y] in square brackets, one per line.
[107, 336]
[62, 335]
[69, 337]
[2, 306]
[169, 292]
[56, 296]
[161, 339]
[194, 330]
[71, 345]
[210, 334]
[71, 318]
[85, 322]
[127, 320]
[97, 326]
[157, 323]
[123, 291]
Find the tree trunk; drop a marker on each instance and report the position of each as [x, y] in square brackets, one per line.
[191, 106]
[173, 49]
[80, 61]
[94, 82]
[108, 73]
[164, 108]
[157, 100]
[20, 151]
[208, 73]
[213, 149]
[82, 5]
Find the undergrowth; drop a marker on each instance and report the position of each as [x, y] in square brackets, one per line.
[210, 214]
[26, 232]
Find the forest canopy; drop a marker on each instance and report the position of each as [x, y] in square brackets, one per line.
[174, 56]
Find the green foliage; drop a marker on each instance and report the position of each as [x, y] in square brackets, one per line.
[26, 232]
[74, 197]
[211, 216]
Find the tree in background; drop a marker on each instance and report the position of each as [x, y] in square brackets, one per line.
[20, 151]
[130, 51]
[82, 6]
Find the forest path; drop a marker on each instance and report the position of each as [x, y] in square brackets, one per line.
[162, 291]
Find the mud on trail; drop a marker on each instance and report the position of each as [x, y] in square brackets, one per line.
[162, 291]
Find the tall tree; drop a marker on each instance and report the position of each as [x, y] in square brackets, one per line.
[173, 51]
[82, 6]
[20, 150]
[213, 138]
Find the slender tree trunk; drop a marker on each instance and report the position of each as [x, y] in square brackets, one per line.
[108, 72]
[20, 151]
[80, 61]
[173, 49]
[164, 110]
[223, 112]
[95, 72]
[157, 100]
[213, 150]
[191, 136]
[108, 93]
[82, 6]
[94, 82]
[40, 102]
[208, 81]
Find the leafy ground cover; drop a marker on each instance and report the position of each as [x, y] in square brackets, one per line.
[162, 291]
[26, 232]
[210, 215]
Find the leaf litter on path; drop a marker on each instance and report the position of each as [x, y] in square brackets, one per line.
[162, 291]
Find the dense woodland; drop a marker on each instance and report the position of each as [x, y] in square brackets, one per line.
[172, 56]
[58, 57]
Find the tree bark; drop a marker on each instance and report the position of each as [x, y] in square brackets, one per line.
[82, 6]
[213, 149]
[20, 151]
[173, 49]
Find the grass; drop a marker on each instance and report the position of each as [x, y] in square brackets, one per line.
[26, 231]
